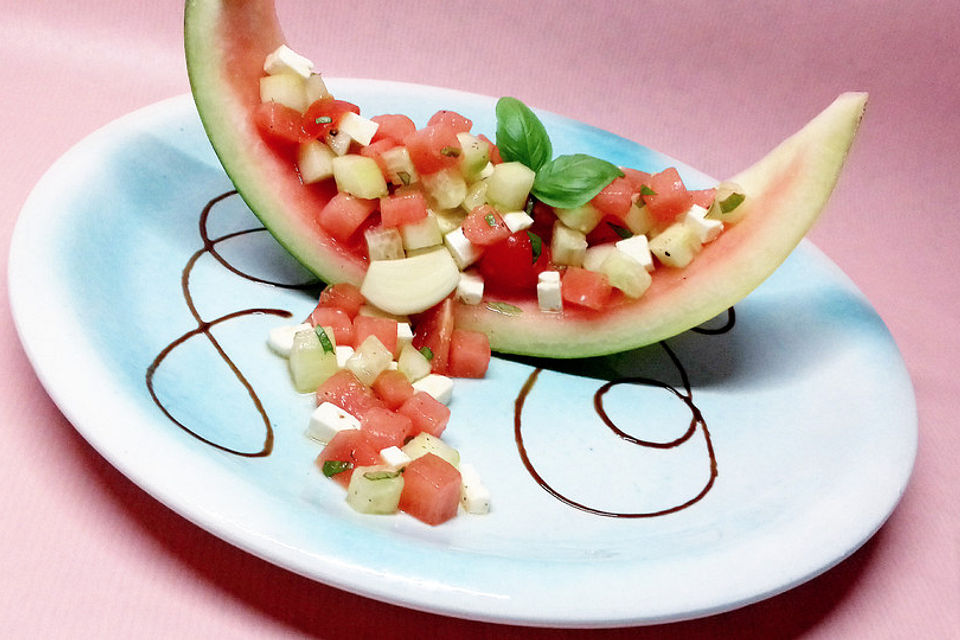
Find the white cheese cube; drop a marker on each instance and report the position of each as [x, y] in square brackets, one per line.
[328, 420]
[474, 495]
[438, 386]
[343, 354]
[280, 339]
[404, 335]
[638, 248]
[470, 288]
[463, 251]
[548, 291]
[395, 457]
[706, 229]
[285, 60]
[357, 127]
[517, 221]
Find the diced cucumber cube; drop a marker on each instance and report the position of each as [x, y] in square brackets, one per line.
[728, 203]
[315, 161]
[384, 243]
[626, 274]
[639, 221]
[359, 176]
[400, 169]
[568, 246]
[375, 489]
[445, 188]
[675, 246]
[476, 196]
[286, 89]
[369, 360]
[596, 254]
[584, 218]
[474, 156]
[412, 363]
[509, 186]
[424, 443]
[421, 234]
[313, 358]
[450, 219]
[316, 89]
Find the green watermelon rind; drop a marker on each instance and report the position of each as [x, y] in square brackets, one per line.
[226, 42]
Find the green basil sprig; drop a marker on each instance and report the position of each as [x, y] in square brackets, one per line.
[565, 182]
[521, 137]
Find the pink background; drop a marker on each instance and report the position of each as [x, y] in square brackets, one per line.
[88, 554]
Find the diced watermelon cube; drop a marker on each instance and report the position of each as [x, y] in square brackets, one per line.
[431, 489]
[405, 206]
[452, 119]
[344, 390]
[385, 428]
[433, 148]
[636, 178]
[344, 296]
[428, 414]
[393, 388]
[585, 288]
[615, 198]
[469, 354]
[670, 197]
[703, 197]
[393, 126]
[344, 214]
[375, 150]
[279, 123]
[433, 329]
[353, 447]
[336, 318]
[385, 329]
[484, 226]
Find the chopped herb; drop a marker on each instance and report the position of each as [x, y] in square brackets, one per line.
[324, 340]
[427, 352]
[505, 308]
[324, 120]
[647, 191]
[333, 467]
[492, 221]
[621, 231]
[536, 245]
[731, 202]
[450, 152]
[404, 177]
[528, 207]
[381, 475]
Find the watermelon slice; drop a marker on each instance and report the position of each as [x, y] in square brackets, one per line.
[226, 44]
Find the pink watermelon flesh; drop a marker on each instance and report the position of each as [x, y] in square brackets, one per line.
[226, 43]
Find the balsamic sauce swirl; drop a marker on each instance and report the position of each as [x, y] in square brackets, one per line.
[203, 328]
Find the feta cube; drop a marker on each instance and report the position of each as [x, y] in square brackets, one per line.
[438, 386]
[357, 127]
[517, 221]
[328, 420]
[394, 456]
[638, 248]
[285, 60]
[404, 335]
[343, 354]
[463, 251]
[280, 339]
[706, 229]
[474, 495]
[548, 291]
[470, 288]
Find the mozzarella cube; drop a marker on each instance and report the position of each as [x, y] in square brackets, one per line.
[343, 354]
[474, 495]
[404, 335]
[638, 248]
[470, 288]
[706, 229]
[286, 60]
[517, 221]
[395, 457]
[463, 251]
[438, 386]
[548, 291]
[357, 127]
[328, 420]
[280, 339]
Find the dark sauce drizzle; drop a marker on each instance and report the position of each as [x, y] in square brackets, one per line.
[686, 396]
[204, 328]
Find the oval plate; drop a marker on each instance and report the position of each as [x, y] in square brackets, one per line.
[807, 400]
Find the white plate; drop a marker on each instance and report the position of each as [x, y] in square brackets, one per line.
[809, 407]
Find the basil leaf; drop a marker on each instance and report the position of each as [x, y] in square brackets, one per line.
[647, 191]
[536, 245]
[505, 308]
[571, 181]
[333, 467]
[324, 340]
[521, 137]
[427, 352]
[621, 231]
[731, 202]
[381, 475]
